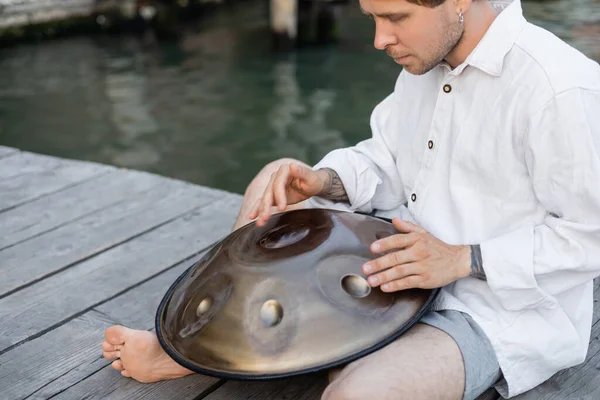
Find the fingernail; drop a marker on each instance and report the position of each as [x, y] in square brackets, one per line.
[373, 280]
[385, 287]
[367, 268]
[375, 246]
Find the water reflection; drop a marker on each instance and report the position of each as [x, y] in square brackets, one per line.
[215, 106]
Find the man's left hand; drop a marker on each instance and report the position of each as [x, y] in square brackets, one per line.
[421, 260]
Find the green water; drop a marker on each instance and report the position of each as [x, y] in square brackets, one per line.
[215, 106]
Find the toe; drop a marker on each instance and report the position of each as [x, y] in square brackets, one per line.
[112, 355]
[118, 365]
[111, 347]
[126, 374]
[117, 334]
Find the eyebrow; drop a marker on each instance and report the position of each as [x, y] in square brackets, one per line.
[385, 15]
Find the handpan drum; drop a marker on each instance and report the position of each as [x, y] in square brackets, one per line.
[285, 299]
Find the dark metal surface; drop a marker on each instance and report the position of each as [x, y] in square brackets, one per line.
[285, 299]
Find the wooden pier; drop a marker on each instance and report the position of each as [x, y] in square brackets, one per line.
[84, 246]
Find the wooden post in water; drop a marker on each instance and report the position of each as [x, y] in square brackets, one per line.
[297, 22]
[283, 15]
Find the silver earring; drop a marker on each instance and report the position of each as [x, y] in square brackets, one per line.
[461, 17]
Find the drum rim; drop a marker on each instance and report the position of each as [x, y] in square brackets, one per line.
[269, 376]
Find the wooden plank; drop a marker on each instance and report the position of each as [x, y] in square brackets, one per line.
[71, 354]
[490, 394]
[24, 188]
[72, 347]
[44, 255]
[109, 384]
[7, 151]
[58, 209]
[36, 309]
[298, 388]
[579, 382]
[24, 163]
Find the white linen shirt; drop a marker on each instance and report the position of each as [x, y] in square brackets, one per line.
[504, 152]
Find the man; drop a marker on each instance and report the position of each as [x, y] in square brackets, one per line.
[488, 150]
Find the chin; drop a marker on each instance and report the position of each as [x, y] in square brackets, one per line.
[412, 70]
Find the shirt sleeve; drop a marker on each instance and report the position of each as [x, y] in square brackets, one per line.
[368, 170]
[527, 267]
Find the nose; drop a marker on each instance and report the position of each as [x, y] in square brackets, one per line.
[384, 36]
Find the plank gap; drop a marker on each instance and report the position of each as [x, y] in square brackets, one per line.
[215, 386]
[80, 313]
[91, 255]
[73, 204]
[34, 197]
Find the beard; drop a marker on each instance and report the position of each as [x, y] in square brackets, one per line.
[451, 33]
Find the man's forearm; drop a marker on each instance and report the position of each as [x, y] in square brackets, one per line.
[333, 189]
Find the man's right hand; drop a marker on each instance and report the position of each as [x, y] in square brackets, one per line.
[291, 184]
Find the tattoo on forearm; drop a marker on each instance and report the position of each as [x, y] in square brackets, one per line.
[477, 263]
[334, 189]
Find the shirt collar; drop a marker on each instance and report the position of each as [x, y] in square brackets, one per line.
[491, 51]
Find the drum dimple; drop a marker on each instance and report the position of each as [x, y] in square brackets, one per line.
[356, 286]
[271, 313]
[283, 236]
[204, 306]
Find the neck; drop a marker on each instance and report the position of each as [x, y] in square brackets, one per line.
[477, 20]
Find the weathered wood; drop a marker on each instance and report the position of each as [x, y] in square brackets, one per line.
[7, 151]
[77, 373]
[44, 255]
[24, 163]
[490, 394]
[24, 188]
[34, 310]
[58, 209]
[298, 388]
[71, 347]
[109, 384]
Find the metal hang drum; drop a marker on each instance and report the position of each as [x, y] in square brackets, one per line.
[285, 299]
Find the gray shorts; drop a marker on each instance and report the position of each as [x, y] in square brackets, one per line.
[481, 366]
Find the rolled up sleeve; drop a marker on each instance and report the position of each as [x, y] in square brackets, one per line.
[528, 266]
[368, 170]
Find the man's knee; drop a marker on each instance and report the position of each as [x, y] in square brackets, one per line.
[343, 389]
[262, 178]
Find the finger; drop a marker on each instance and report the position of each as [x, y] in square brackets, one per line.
[118, 365]
[254, 212]
[298, 171]
[307, 177]
[397, 241]
[409, 282]
[394, 273]
[279, 186]
[406, 226]
[388, 261]
[266, 203]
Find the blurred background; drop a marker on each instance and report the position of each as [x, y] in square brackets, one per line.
[205, 91]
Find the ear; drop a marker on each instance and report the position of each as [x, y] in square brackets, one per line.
[462, 5]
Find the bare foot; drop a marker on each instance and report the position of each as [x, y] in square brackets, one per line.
[140, 355]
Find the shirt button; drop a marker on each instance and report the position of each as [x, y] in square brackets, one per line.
[413, 197]
[447, 88]
[430, 144]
